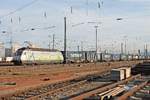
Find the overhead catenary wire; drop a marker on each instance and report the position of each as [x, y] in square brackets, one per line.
[38, 28]
[87, 7]
[19, 9]
[78, 24]
[31, 29]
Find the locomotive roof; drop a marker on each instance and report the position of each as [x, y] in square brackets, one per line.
[37, 49]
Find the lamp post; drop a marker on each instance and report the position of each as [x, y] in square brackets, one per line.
[80, 54]
[96, 27]
[121, 48]
[53, 41]
[96, 42]
[11, 41]
[125, 44]
[49, 44]
[65, 40]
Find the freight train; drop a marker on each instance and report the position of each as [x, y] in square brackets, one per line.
[91, 56]
[28, 55]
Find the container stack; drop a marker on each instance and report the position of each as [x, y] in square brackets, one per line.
[120, 74]
[127, 71]
[117, 74]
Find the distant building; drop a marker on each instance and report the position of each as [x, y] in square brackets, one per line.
[2, 52]
[8, 52]
[15, 47]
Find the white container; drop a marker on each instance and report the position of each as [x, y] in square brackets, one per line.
[9, 59]
[127, 71]
[117, 74]
[0, 59]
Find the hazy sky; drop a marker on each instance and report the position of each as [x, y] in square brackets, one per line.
[134, 28]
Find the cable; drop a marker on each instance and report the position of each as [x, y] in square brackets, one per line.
[39, 28]
[18, 9]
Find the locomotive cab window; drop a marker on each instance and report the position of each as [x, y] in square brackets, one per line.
[19, 52]
[24, 53]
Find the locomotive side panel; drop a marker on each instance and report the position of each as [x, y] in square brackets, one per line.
[29, 56]
[40, 57]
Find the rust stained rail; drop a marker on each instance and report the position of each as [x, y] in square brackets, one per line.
[87, 94]
[130, 93]
[17, 92]
[77, 78]
[56, 90]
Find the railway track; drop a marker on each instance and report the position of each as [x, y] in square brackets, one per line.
[75, 89]
[70, 90]
[59, 87]
[49, 90]
[53, 92]
[131, 92]
[101, 89]
[6, 64]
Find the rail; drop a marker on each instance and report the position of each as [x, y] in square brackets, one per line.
[87, 94]
[131, 92]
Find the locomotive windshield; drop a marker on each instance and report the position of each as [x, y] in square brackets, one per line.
[19, 52]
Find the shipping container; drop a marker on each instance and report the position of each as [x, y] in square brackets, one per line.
[80, 56]
[130, 57]
[135, 57]
[2, 52]
[107, 57]
[124, 57]
[9, 59]
[116, 57]
[127, 71]
[117, 74]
